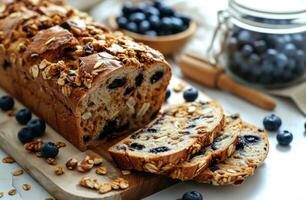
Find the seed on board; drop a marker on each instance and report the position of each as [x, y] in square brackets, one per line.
[59, 171]
[51, 161]
[101, 170]
[26, 187]
[61, 144]
[8, 160]
[1, 194]
[105, 188]
[12, 192]
[17, 172]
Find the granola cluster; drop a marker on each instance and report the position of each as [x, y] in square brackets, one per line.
[52, 41]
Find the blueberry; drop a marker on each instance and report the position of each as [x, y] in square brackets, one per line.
[281, 60]
[6, 103]
[245, 37]
[247, 50]
[25, 135]
[150, 10]
[144, 26]
[305, 126]
[166, 24]
[168, 94]
[122, 21]
[191, 94]
[23, 116]
[254, 60]
[49, 150]
[290, 49]
[132, 26]
[128, 9]
[177, 25]
[38, 127]
[137, 17]
[300, 56]
[287, 38]
[166, 11]
[284, 138]
[158, 3]
[186, 20]
[272, 122]
[151, 33]
[193, 195]
[159, 149]
[154, 21]
[260, 46]
[279, 43]
[298, 40]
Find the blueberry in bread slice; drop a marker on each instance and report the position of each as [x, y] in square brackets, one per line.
[251, 151]
[222, 147]
[85, 81]
[181, 130]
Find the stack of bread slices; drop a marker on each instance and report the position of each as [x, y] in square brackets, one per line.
[195, 141]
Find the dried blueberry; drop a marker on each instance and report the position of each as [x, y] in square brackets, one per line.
[284, 138]
[184, 132]
[137, 146]
[214, 165]
[272, 122]
[139, 79]
[6, 103]
[38, 127]
[168, 94]
[240, 145]
[159, 149]
[86, 138]
[191, 94]
[156, 77]
[118, 82]
[121, 148]
[128, 90]
[193, 195]
[49, 150]
[25, 135]
[88, 49]
[152, 130]
[23, 116]
[251, 139]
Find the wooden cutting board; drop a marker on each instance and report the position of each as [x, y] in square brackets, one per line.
[66, 187]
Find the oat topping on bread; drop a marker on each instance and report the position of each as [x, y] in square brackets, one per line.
[84, 80]
[251, 151]
[180, 131]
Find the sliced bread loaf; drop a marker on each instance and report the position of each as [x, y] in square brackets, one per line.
[181, 130]
[222, 147]
[251, 151]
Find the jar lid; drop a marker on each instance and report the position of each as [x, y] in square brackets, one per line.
[273, 6]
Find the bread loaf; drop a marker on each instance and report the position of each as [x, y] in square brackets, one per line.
[180, 131]
[84, 80]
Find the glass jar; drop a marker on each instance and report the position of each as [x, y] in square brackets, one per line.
[265, 45]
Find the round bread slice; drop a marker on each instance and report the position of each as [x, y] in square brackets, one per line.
[251, 151]
[222, 147]
[181, 130]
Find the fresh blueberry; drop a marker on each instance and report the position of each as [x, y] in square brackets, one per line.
[191, 94]
[144, 26]
[193, 195]
[232, 44]
[49, 150]
[151, 33]
[254, 60]
[154, 21]
[287, 38]
[132, 26]
[305, 126]
[25, 135]
[290, 49]
[6, 103]
[300, 56]
[166, 11]
[177, 25]
[272, 122]
[137, 17]
[260, 46]
[281, 60]
[38, 127]
[245, 37]
[122, 21]
[168, 94]
[284, 138]
[150, 10]
[247, 50]
[186, 20]
[158, 4]
[128, 9]
[298, 40]
[23, 116]
[166, 24]
[279, 42]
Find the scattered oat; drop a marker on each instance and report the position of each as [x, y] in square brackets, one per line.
[105, 188]
[179, 87]
[61, 144]
[8, 160]
[17, 172]
[101, 170]
[59, 171]
[1, 194]
[26, 187]
[71, 164]
[51, 161]
[125, 172]
[12, 192]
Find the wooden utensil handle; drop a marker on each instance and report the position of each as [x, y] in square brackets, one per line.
[260, 99]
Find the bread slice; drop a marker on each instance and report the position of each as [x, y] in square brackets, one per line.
[222, 147]
[251, 151]
[181, 130]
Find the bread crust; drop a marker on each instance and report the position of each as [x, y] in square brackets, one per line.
[49, 56]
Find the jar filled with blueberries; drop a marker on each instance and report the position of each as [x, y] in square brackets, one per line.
[265, 42]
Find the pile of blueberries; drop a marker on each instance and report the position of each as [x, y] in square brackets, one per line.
[266, 59]
[33, 127]
[152, 19]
